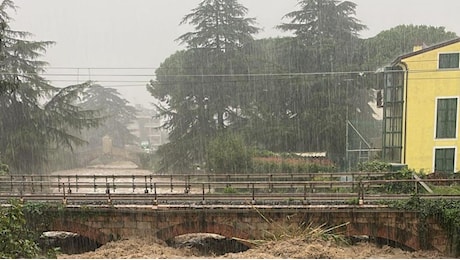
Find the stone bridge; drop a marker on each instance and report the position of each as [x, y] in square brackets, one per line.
[85, 157]
[104, 224]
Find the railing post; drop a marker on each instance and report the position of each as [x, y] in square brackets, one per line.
[151, 185]
[107, 191]
[155, 201]
[171, 183]
[146, 190]
[64, 199]
[352, 182]
[186, 184]
[94, 182]
[11, 183]
[304, 193]
[21, 199]
[204, 202]
[113, 182]
[23, 183]
[270, 185]
[76, 183]
[253, 194]
[32, 182]
[134, 186]
[59, 182]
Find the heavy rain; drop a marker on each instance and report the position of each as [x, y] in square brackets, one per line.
[229, 129]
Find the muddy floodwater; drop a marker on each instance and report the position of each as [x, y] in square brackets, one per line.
[289, 248]
[118, 177]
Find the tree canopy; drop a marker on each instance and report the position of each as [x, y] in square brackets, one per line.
[290, 94]
[200, 105]
[36, 118]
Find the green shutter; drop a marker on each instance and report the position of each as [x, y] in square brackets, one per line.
[446, 118]
[444, 160]
[449, 60]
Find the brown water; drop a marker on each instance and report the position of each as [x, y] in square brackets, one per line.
[115, 169]
[291, 248]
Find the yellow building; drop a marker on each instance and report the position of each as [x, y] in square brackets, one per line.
[421, 109]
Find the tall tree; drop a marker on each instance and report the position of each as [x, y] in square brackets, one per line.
[116, 111]
[221, 29]
[197, 86]
[35, 117]
[329, 32]
[220, 25]
[321, 20]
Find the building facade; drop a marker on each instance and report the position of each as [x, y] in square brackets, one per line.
[421, 109]
[147, 127]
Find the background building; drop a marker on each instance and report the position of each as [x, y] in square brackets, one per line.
[147, 128]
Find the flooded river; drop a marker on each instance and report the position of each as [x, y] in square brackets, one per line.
[119, 177]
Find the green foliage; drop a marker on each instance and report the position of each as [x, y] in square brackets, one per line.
[116, 112]
[148, 160]
[38, 216]
[446, 190]
[16, 241]
[324, 23]
[228, 153]
[399, 186]
[220, 25]
[198, 108]
[289, 98]
[445, 210]
[390, 187]
[4, 169]
[229, 190]
[35, 116]
[389, 44]
[374, 166]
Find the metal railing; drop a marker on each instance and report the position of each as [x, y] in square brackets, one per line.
[215, 188]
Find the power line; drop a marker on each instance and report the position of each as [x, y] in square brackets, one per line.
[321, 73]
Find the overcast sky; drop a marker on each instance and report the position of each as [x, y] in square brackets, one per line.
[127, 34]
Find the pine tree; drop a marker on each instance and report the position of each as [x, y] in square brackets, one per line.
[196, 86]
[35, 117]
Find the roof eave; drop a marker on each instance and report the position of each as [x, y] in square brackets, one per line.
[427, 49]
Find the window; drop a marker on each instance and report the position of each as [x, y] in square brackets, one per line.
[446, 118]
[449, 60]
[393, 114]
[444, 160]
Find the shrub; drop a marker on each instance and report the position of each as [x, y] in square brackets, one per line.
[3, 168]
[228, 153]
[16, 241]
[290, 163]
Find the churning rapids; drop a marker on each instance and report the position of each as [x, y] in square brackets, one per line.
[292, 247]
